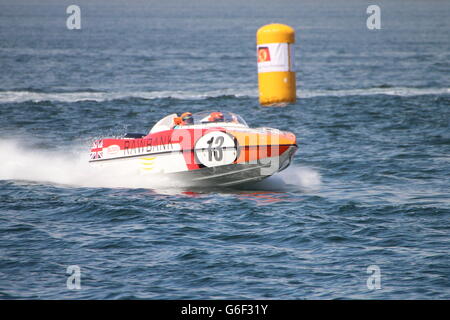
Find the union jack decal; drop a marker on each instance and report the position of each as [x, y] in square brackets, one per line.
[97, 150]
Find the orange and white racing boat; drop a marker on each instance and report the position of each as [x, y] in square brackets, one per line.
[206, 148]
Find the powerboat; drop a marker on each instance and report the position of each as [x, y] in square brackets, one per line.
[206, 148]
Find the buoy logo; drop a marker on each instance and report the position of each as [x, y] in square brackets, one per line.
[263, 54]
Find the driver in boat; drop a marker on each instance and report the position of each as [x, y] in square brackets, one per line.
[185, 119]
[216, 117]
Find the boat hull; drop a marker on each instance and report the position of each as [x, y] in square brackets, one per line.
[238, 173]
[213, 156]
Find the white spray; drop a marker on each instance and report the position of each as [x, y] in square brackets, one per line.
[71, 168]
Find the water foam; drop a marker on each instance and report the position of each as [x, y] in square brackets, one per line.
[293, 178]
[70, 97]
[69, 169]
[24, 96]
[303, 177]
[72, 169]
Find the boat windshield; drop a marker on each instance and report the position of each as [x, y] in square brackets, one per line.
[218, 117]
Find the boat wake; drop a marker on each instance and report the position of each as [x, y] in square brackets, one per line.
[294, 178]
[20, 96]
[71, 169]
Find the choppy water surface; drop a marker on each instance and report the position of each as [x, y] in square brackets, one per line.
[369, 185]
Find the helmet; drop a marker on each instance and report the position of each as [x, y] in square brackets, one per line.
[177, 121]
[187, 118]
[215, 117]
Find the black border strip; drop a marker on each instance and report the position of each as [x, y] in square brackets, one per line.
[277, 309]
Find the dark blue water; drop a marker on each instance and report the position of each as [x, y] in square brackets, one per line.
[369, 185]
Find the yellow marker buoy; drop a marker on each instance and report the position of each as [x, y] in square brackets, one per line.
[276, 77]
